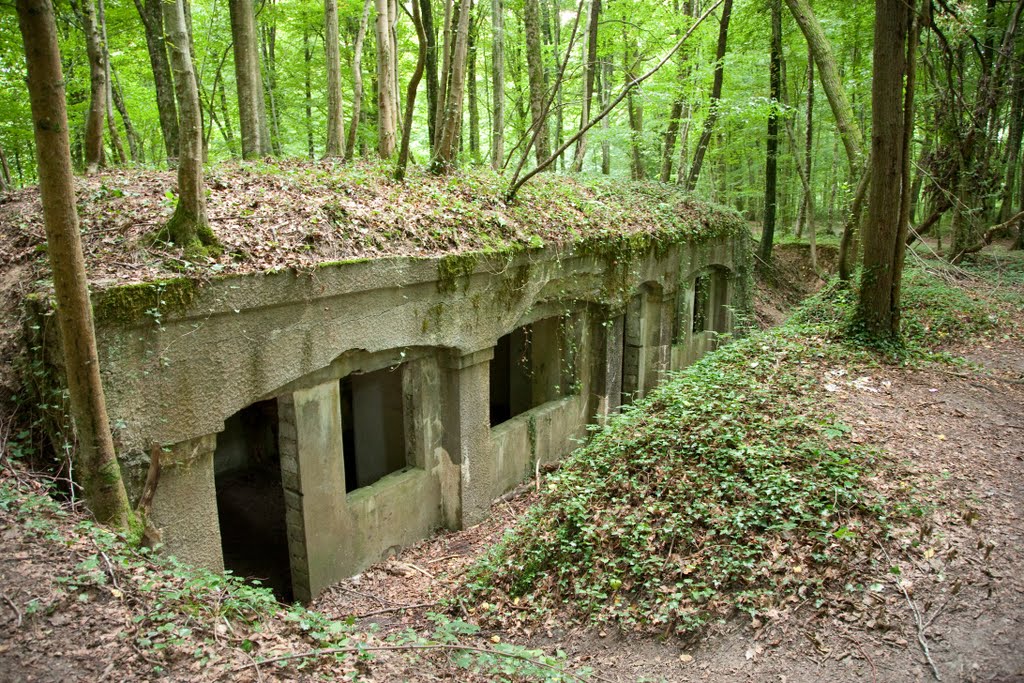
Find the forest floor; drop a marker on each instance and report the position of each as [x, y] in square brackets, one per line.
[72, 608]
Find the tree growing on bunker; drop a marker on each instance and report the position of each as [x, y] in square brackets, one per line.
[189, 227]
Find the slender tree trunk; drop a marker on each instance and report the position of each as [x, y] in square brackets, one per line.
[6, 184]
[332, 41]
[635, 112]
[410, 95]
[386, 129]
[446, 65]
[449, 124]
[716, 95]
[134, 143]
[307, 83]
[153, 23]
[888, 204]
[828, 74]
[559, 90]
[590, 67]
[357, 80]
[606, 98]
[669, 150]
[96, 466]
[1013, 143]
[94, 48]
[108, 96]
[772, 162]
[189, 226]
[1018, 244]
[474, 112]
[229, 133]
[498, 90]
[427, 17]
[808, 203]
[535, 74]
[271, 137]
[248, 79]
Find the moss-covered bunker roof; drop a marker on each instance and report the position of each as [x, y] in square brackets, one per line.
[296, 214]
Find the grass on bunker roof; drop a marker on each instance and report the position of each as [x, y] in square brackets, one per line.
[293, 214]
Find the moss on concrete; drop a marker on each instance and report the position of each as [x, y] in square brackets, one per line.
[128, 304]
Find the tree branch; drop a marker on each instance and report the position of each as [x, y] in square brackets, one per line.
[517, 184]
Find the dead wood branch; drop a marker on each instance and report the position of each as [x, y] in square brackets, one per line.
[987, 237]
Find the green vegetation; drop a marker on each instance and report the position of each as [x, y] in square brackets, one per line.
[178, 612]
[730, 487]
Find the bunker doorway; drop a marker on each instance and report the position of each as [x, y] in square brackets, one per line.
[250, 498]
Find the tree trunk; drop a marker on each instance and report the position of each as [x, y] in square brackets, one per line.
[357, 80]
[427, 17]
[189, 226]
[248, 79]
[6, 184]
[96, 466]
[1013, 142]
[772, 162]
[676, 113]
[271, 136]
[448, 126]
[590, 66]
[134, 143]
[884, 230]
[153, 23]
[828, 74]
[716, 95]
[332, 43]
[606, 98]
[808, 203]
[108, 96]
[474, 112]
[535, 77]
[94, 48]
[410, 95]
[229, 133]
[386, 128]
[498, 76]
[307, 83]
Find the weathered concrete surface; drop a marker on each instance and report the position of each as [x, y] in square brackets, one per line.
[185, 511]
[293, 336]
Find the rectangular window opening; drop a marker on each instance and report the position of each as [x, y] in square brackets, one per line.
[250, 498]
[373, 426]
[512, 375]
[531, 366]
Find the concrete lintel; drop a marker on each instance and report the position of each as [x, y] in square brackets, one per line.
[460, 361]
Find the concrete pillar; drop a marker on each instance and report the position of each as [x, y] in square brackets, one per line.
[313, 474]
[608, 378]
[467, 433]
[185, 503]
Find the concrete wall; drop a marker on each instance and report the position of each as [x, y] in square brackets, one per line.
[293, 336]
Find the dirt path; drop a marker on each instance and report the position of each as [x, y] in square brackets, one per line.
[962, 441]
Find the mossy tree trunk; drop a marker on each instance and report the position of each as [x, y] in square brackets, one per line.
[189, 226]
[335, 146]
[96, 468]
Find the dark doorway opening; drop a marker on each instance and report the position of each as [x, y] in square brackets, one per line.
[373, 426]
[250, 498]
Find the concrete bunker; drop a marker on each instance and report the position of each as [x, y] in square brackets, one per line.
[403, 402]
[250, 498]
